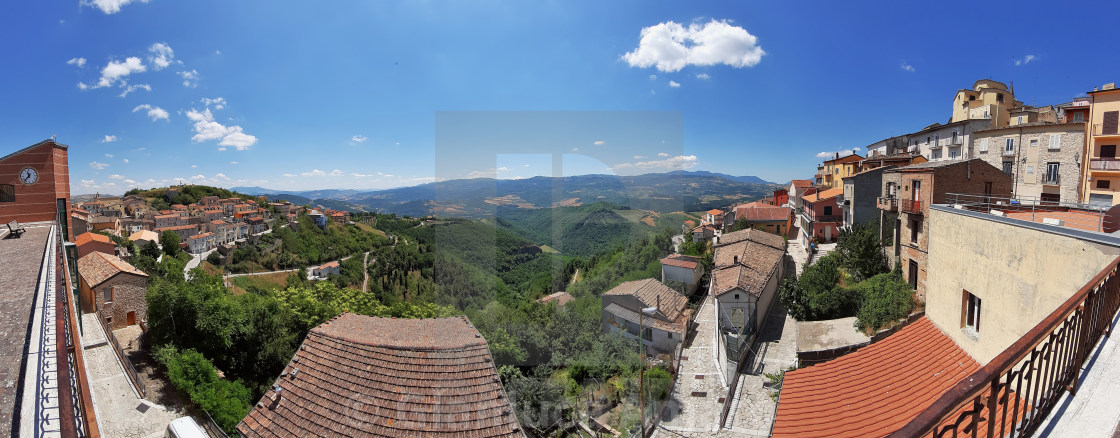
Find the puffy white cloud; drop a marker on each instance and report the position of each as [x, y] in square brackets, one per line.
[1024, 61]
[161, 56]
[703, 76]
[600, 142]
[674, 84]
[190, 78]
[358, 139]
[108, 155]
[336, 172]
[653, 77]
[154, 112]
[235, 162]
[115, 71]
[662, 154]
[672, 163]
[361, 175]
[97, 166]
[289, 175]
[670, 46]
[907, 67]
[206, 129]
[843, 152]
[109, 6]
[125, 160]
[217, 102]
[109, 139]
[315, 172]
[80, 62]
[116, 176]
[131, 88]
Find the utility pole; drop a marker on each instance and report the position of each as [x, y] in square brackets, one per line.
[642, 370]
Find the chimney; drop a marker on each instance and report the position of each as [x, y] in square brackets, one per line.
[837, 155]
[659, 303]
[735, 260]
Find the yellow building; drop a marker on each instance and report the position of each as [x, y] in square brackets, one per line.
[1101, 168]
[987, 99]
[831, 173]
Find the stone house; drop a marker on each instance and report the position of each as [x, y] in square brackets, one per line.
[1043, 159]
[662, 329]
[683, 268]
[115, 288]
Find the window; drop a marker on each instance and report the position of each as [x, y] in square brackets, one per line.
[1104, 183]
[1009, 145]
[1108, 151]
[999, 97]
[7, 193]
[1019, 120]
[1034, 142]
[912, 274]
[915, 228]
[669, 335]
[983, 146]
[1055, 142]
[108, 292]
[1007, 167]
[1078, 117]
[954, 154]
[647, 334]
[736, 296]
[927, 140]
[971, 97]
[970, 314]
[828, 210]
[1051, 173]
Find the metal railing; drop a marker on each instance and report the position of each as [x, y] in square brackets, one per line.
[212, 427]
[1104, 164]
[887, 203]
[133, 376]
[76, 410]
[959, 140]
[1098, 129]
[910, 206]
[1016, 391]
[1007, 153]
[1034, 209]
[1053, 180]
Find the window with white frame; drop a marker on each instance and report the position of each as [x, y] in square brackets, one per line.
[1009, 145]
[1055, 141]
[970, 314]
[983, 145]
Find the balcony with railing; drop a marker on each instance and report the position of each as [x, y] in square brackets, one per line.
[1104, 164]
[1008, 152]
[1099, 129]
[887, 203]
[1035, 209]
[911, 206]
[1051, 179]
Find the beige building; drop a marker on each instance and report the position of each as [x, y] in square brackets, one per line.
[1101, 168]
[1043, 159]
[987, 100]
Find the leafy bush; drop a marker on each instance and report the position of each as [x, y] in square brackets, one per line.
[816, 295]
[226, 401]
[170, 242]
[658, 383]
[861, 251]
[886, 298]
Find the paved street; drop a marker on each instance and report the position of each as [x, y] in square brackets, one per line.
[690, 414]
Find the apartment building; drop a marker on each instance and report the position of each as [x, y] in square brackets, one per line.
[831, 173]
[1043, 159]
[948, 142]
[1101, 167]
[820, 216]
[989, 101]
[858, 202]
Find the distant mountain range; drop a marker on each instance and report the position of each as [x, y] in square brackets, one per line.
[485, 197]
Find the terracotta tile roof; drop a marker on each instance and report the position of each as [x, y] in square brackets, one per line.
[560, 298]
[802, 183]
[361, 376]
[845, 159]
[673, 315]
[690, 222]
[761, 213]
[715, 211]
[748, 263]
[875, 390]
[96, 267]
[167, 216]
[681, 261]
[827, 194]
[144, 235]
[86, 238]
[99, 219]
[201, 236]
[326, 265]
[176, 228]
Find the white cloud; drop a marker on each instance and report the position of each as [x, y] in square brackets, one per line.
[162, 56]
[132, 88]
[190, 78]
[1024, 61]
[662, 154]
[907, 67]
[234, 162]
[672, 163]
[653, 77]
[361, 175]
[116, 176]
[125, 160]
[108, 155]
[206, 128]
[599, 142]
[525, 165]
[98, 166]
[194, 166]
[358, 139]
[109, 139]
[703, 76]
[82, 86]
[289, 175]
[842, 153]
[670, 46]
[115, 72]
[217, 102]
[639, 157]
[674, 84]
[80, 62]
[154, 112]
[575, 149]
[336, 172]
[109, 6]
[315, 172]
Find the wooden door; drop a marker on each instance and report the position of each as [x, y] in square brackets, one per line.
[917, 190]
[913, 274]
[131, 318]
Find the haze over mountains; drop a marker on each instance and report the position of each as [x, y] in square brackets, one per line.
[486, 197]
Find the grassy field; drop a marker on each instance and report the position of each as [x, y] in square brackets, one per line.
[240, 285]
[369, 229]
[549, 249]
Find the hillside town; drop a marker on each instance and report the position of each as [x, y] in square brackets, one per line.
[960, 279]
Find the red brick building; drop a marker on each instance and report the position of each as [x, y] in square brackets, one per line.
[35, 185]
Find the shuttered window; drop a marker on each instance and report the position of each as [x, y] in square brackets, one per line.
[1110, 121]
[1055, 141]
[983, 145]
[7, 193]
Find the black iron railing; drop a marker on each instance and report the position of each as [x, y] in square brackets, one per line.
[910, 206]
[1012, 395]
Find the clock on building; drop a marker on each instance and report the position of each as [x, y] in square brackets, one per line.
[28, 175]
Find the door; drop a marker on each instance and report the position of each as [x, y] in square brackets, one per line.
[913, 271]
[827, 233]
[131, 318]
[917, 190]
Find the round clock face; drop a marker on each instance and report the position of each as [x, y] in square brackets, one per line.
[28, 175]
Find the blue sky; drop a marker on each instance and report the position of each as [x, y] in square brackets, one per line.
[307, 95]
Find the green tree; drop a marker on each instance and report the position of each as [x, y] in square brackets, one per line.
[861, 251]
[170, 241]
[150, 249]
[885, 298]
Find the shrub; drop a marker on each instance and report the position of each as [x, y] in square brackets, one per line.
[227, 402]
[658, 383]
[816, 295]
[886, 298]
[861, 251]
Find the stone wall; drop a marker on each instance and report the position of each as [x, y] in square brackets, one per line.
[1030, 159]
